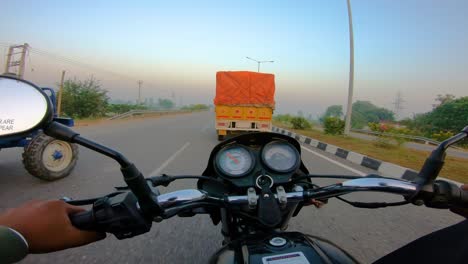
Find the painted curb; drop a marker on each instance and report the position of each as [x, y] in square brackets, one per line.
[385, 168]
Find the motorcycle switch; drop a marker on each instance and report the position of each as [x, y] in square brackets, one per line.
[118, 215]
[269, 212]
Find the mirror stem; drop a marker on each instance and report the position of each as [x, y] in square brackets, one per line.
[434, 163]
[132, 176]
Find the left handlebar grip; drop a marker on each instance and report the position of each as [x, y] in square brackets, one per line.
[84, 221]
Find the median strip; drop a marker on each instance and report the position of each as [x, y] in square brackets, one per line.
[384, 168]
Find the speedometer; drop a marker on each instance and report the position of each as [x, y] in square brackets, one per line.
[280, 156]
[235, 161]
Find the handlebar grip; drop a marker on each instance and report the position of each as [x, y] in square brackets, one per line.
[462, 199]
[84, 221]
[447, 195]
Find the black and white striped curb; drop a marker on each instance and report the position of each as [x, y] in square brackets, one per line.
[385, 168]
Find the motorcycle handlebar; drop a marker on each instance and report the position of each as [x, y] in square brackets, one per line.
[445, 195]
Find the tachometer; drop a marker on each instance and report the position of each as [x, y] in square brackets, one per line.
[235, 161]
[280, 156]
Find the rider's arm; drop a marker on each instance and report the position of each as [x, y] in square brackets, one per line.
[42, 226]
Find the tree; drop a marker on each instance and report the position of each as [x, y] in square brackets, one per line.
[82, 99]
[334, 111]
[450, 115]
[365, 112]
[442, 99]
[165, 103]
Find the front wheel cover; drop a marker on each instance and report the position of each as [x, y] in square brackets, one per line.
[48, 158]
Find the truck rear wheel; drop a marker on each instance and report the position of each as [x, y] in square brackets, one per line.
[49, 159]
[221, 137]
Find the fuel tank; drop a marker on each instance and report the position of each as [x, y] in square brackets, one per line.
[281, 248]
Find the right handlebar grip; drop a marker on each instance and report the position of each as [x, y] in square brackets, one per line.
[84, 221]
[462, 199]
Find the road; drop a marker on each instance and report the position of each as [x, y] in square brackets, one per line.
[181, 145]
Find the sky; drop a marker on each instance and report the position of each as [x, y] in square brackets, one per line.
[416, 47]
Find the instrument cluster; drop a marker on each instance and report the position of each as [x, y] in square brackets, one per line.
[242, 165]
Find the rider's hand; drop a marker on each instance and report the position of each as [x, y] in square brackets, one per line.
[459, 210]
[47, 227]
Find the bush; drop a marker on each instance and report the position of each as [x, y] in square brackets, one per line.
[333, 126]
[442, 135]
[123, 108]
[286, 119]
[386, 143]
[299, 122]
[388, 128]
[83, 99]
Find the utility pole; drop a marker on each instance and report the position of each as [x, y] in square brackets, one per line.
[12, 63]
[173, 98]
[398, 103]
[258, 62]
[139, 91]
[349, 108]
[59, 101]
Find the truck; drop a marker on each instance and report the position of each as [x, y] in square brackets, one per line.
[244, 102]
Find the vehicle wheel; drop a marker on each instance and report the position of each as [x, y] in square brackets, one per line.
[48, 158]
[220, 137]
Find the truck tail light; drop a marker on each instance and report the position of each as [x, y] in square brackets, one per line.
[264, 125]
[221, 124]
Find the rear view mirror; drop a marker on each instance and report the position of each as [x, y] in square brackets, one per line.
[24, 107]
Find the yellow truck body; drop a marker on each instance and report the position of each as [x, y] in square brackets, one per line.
[231, 119]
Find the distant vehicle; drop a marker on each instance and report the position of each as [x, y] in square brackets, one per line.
[44, 157]
[244, 102]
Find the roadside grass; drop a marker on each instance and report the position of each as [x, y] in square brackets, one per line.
[89, 121]
[455, 168]
[105, 119]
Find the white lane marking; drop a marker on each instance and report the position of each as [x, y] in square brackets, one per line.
[360, 173]
[157, 171]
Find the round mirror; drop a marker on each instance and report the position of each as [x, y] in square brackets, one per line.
[23, 107]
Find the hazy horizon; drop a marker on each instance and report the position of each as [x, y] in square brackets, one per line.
[415, 47]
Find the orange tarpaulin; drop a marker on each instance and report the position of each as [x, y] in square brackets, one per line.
[245, 88]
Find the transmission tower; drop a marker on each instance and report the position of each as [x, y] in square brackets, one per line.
[15, 65]
[139, 92]
[398, 105]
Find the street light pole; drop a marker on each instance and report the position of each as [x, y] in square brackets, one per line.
[258, 62]
[349, 108]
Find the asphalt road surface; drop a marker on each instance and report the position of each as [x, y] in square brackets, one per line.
[181, 145]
